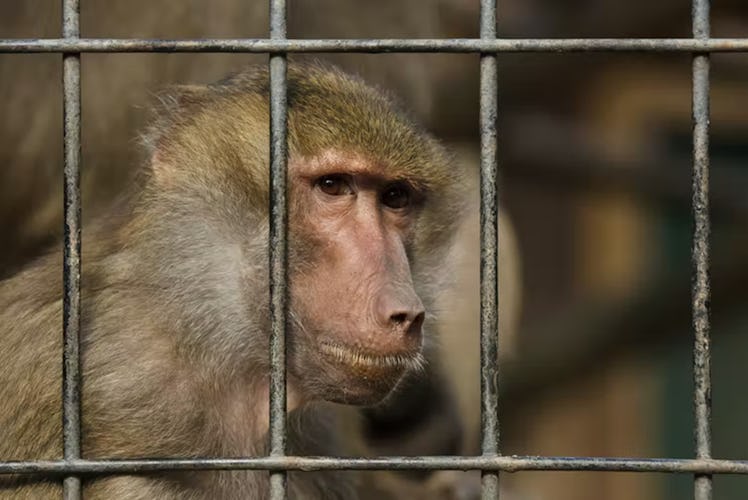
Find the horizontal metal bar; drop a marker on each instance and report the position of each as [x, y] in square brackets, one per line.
[497, 463]
[464, 45]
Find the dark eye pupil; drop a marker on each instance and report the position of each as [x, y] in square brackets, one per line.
[396, 197]
[332, 185]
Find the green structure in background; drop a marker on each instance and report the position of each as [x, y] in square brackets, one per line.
[729, 409]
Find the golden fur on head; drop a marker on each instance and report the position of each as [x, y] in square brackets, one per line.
[327, 109]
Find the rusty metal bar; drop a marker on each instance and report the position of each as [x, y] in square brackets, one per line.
[71, 267]
[495, 463]
[278, 249]
[489, 222]
[423, 45]
[701, 287]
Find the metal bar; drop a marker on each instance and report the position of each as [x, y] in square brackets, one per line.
[700, 291]
[278, 248]
[465, 45]
[495, 463]
[71, 267]
[489, 222]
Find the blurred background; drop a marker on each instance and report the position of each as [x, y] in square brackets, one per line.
[595, 161]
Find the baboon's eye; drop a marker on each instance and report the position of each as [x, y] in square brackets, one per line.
[335, 185]
[397, 195]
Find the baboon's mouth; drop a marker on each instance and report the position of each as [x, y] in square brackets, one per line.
[366, 359]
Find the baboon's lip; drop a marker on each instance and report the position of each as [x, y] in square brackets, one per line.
[363, 358]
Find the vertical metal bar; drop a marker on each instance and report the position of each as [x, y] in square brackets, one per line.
[278, 247]
[489, 323]
[71, 270]
[700, 291]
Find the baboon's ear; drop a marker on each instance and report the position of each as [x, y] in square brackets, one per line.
[171, 107]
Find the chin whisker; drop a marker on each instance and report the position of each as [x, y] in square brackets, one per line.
[297, 321]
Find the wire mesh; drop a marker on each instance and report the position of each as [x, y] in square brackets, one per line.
[490, 462]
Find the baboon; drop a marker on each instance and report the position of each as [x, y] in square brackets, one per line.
[441, 90]
[174, 333]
